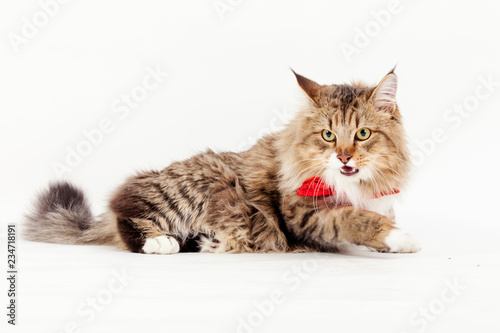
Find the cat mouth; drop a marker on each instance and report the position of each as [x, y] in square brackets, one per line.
[348, 171]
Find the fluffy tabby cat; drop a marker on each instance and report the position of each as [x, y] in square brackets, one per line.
[350, 136]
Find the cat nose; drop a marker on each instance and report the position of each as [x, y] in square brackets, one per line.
[344, 158]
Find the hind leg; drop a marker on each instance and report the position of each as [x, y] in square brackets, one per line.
[143, 236]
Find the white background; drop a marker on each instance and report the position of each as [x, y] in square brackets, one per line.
[228, 82]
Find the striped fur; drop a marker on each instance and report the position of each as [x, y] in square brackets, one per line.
[246, 202]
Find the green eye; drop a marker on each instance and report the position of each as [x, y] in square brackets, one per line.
[328, 135]
[363, 134]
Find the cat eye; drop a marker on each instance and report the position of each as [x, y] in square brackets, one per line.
[328, 135]
[363, 134]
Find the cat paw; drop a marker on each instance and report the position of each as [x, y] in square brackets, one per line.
[400, 242]
[210, 245]
[161, 245]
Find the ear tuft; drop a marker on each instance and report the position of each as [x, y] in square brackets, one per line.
[310, 87]
[384, 95]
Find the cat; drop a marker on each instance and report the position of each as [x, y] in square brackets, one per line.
[330, 177]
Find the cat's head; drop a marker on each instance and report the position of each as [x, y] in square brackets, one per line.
[349, 135]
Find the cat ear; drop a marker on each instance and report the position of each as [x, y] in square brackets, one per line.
[310, 87]
[384, 95]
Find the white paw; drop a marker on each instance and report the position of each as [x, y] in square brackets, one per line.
[400, 242]
[210, 245]
[161, 245]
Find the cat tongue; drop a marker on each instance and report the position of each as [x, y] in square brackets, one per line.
[347, 170]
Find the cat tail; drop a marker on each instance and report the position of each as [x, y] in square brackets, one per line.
[62, 215]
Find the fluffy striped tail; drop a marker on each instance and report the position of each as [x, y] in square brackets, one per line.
[62, 215]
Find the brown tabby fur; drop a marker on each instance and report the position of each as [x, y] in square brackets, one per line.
[247, 201]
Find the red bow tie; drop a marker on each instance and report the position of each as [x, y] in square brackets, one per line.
[316, 187]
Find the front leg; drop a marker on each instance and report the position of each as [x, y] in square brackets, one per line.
[363, 227]
[326, 227]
